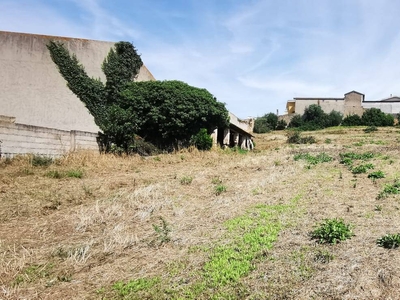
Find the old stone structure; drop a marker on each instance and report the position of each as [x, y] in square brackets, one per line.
[237, 135]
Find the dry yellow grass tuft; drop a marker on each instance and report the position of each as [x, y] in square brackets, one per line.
[73, 229]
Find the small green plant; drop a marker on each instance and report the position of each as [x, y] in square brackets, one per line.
[163, 231]
[376, 175]
[378, 208]
[390, 189]
[332, 231]
[389, 241]
[41, 161]
[186, 180]
[361, 168]
[294, 137]
[219, 189]
[74, 173]
[357, 156]
[157, 158]
[313, 160]
[328, 141]
[216, 180]
[370, 129]
[54, 174]
[323, 256]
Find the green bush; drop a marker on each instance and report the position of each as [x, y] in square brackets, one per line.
[313, 160]
[202, 140]
[375, 117]
[332, 231]
[41, 161]
[352, 120]
[281, 125]
[361, 168]
[296, 121]
[376, 175]
[389, 241]
[294, 137]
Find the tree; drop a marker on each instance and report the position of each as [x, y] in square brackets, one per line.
[265, 123]
[166, 113]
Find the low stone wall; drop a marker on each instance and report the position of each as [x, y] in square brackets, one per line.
[23, 139]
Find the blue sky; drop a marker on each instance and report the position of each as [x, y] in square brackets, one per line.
[253, 55]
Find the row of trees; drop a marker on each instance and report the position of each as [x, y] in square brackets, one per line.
[315, 118]
[137, 116]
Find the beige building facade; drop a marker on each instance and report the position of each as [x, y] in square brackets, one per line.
[350, 104]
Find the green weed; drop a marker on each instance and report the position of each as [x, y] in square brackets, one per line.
[389, 241]
[332, 231]
[390, 189]
[41, 161]
[54, 174]
[313, 160]
[163, 231]
[74, 173]
[361, 168]
[376, 175]
[186, 180]
[133, 287]
[219, 189]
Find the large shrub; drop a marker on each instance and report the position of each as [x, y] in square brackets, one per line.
[202, 140]
[375, 117]
[315, 118]
[166, 113]
[352, 120]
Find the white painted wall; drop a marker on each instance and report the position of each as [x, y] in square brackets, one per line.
[386, 107]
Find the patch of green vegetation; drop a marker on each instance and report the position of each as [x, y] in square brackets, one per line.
[186, 180]
[323, 256]
[332, 231]
[33, 273]
[133, 287]
[370, 129]
[294, 137]
[328, 141]
[390, 189]
[41, 161]
[54, 174]
[162, 231]
[362, 168]
[389, 241]
[219, 189]
[357, 156]
[313, 160]
[247, 239]
[376, 175]
[74, 173]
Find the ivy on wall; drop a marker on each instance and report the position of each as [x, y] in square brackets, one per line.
[165, 113]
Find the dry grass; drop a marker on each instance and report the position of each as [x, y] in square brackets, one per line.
[73, 238]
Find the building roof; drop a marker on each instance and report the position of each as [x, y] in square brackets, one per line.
[354, 92]
[318, 98]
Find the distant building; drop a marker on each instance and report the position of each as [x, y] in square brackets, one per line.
[352, 103]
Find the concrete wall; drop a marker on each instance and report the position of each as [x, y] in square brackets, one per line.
[327, 105]
[246, 125]
[33, 91]
[24, 139]
[386, 107]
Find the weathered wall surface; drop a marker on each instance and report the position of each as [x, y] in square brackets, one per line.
[246, 125]
[327, 105]
[33, 91]
[386, 107]
[24, 139]
[352, 104]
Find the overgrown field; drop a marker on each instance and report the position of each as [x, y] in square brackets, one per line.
[207, 225]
